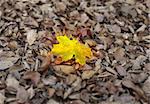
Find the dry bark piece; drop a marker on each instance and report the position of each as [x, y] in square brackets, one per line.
[33, 76]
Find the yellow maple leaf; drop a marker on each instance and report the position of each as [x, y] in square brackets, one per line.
[69, 48]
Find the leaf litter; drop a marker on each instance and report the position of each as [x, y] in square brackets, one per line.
[116, 31]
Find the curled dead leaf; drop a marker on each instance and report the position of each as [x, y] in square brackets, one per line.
[45, 63]
[33, 76]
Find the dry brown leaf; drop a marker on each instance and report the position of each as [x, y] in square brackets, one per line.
[7, 62]
[31, 22]
[2, 98]
[87, 74]
[67, 93]
[129, 84]
[31, 36]
[45, 63]
[52, 101]
[51, 92]
[121, 70]
[119, 54]
[60, 6]
[76, 102]
[31, 92]
[33, 76]
[22, 95]
[64, 68]
[90, 42]
[12, 82]
[49, 81]
[71, 78]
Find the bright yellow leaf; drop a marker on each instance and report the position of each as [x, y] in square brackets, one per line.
[69, 48]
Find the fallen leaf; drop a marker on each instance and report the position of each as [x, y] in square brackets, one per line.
[90, 42]
[7, 62]
[70, 79]
[12, 82]
[129, 84]
[119, 54]
[45, 63]
[49, 81]
[85, 96]
[60, 6]
[22, 95]
[31, 22]
[77, 84]
[52, 101]
[88, 74]
[2, 98]
[68, 49]
[74, 96]
[64, 68]
[31, 92]
[68, 92]
[51, 92]
[76, 102]
[121, 70]
[138, 61]
[84, 18]
[31, 36]
[33, 76]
